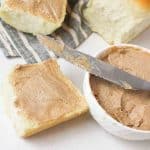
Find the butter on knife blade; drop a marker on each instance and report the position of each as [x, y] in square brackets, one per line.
[94, 65]
[58, 48]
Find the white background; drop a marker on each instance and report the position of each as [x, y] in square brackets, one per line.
[82, 133]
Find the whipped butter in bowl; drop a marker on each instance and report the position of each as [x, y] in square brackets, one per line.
[124, 113]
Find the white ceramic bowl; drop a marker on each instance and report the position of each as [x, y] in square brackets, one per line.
[104, 119]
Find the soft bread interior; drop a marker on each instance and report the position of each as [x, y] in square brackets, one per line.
[117, 23]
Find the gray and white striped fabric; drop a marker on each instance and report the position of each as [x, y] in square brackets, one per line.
[73, 32]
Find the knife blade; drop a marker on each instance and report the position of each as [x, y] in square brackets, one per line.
[95, 66]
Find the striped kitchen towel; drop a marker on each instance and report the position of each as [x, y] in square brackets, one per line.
[73, 32]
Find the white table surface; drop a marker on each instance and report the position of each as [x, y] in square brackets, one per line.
[82, 133]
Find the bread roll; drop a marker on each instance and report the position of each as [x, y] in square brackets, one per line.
[118, 21]
[34, 16]
[39, 96]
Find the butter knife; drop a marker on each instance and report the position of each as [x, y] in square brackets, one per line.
[95, 66]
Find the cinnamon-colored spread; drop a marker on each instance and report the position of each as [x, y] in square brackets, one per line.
[43, 93]
[132, 108]
[48, 9]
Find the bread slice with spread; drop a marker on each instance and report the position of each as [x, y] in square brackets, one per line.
[39, 96]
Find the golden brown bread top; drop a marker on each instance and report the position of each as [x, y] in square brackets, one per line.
[145, 4]
[53, 10]
[43, 93]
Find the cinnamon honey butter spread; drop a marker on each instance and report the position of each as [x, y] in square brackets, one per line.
[132, 108]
